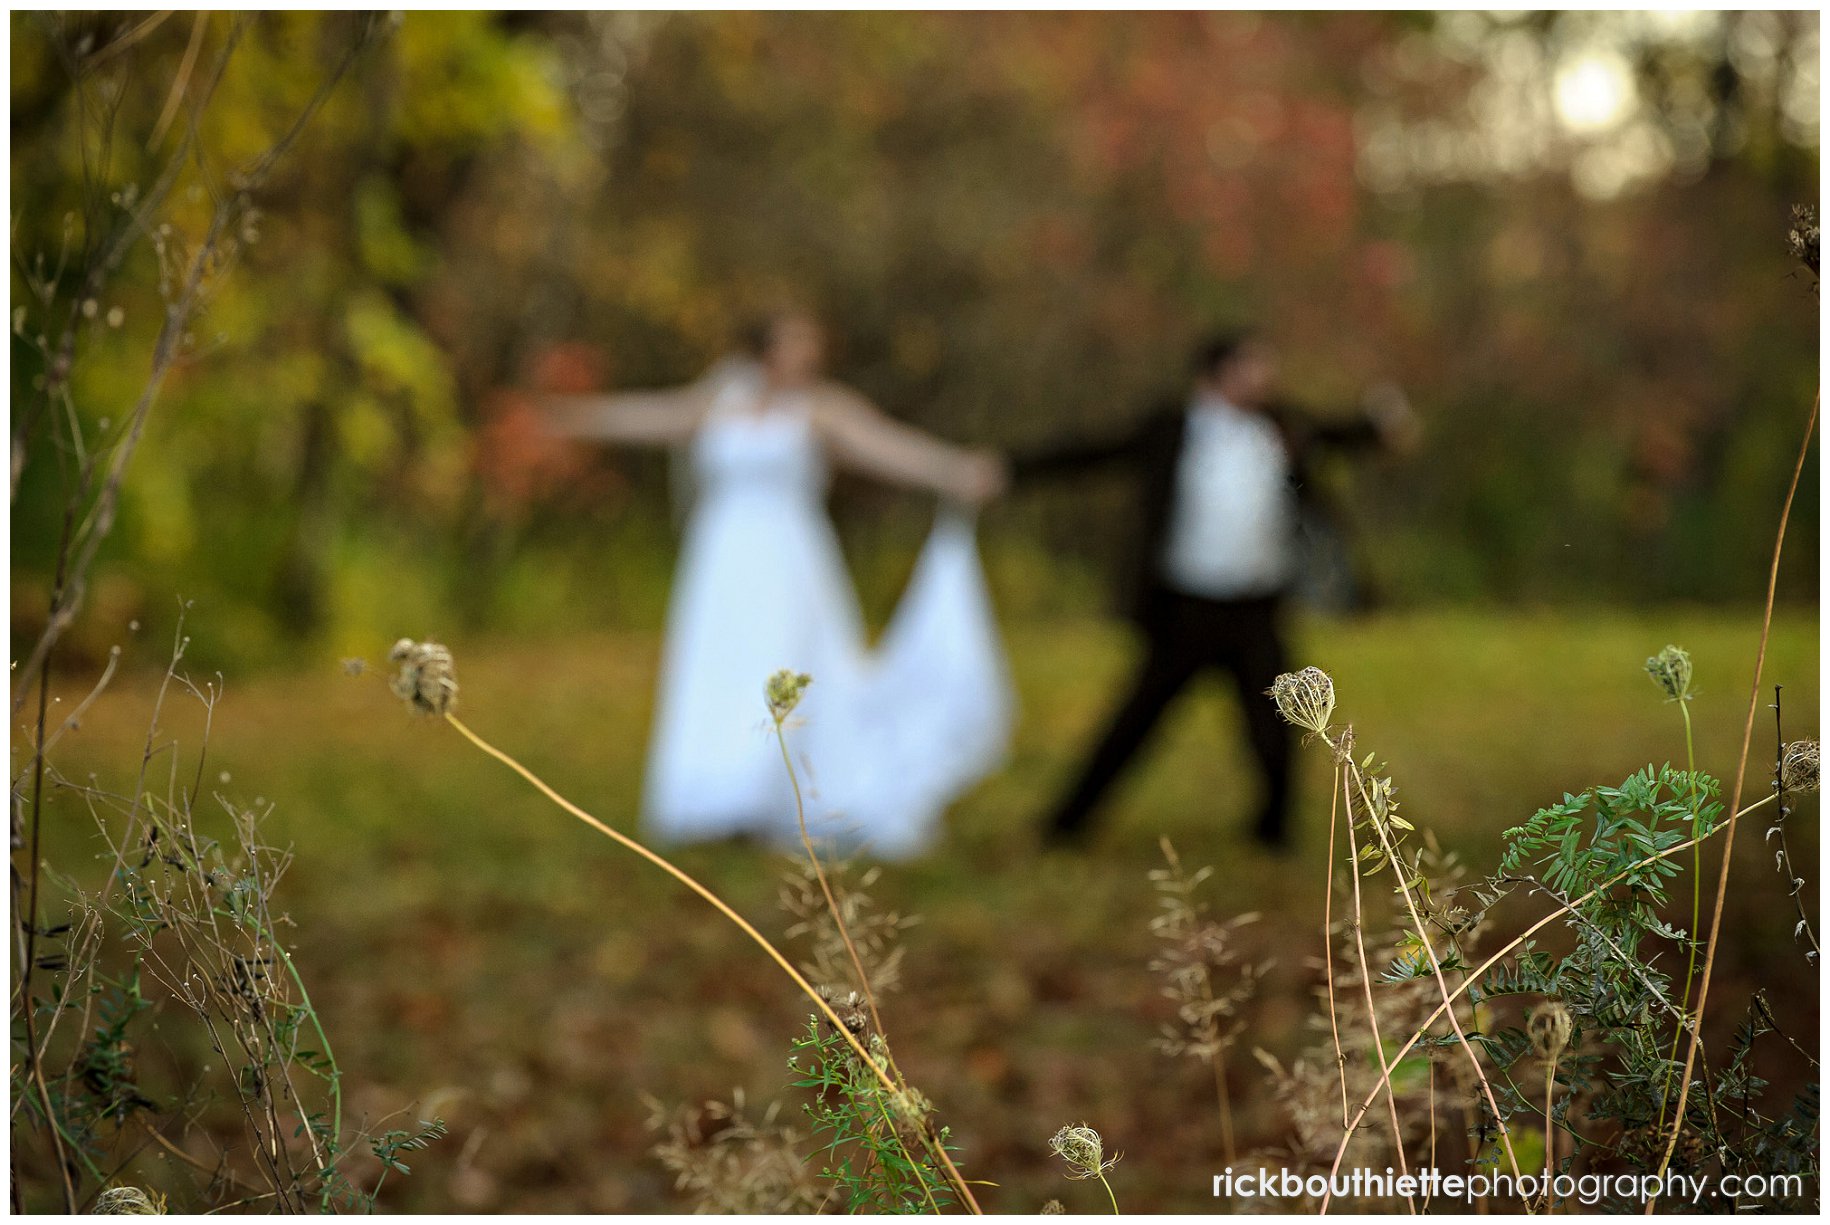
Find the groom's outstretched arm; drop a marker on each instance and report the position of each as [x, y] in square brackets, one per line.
[1384, 420]
[1075, 457]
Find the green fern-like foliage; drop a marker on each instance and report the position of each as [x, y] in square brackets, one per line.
[1599, 839]
[1594, 853]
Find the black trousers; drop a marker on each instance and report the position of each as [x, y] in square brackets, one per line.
[1187, 635]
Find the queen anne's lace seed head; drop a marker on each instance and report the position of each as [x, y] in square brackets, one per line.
[1083, 1151]
[849, 1007]
[128, 1201]
[1798, 766]
[1305, 698]
[783, 692]
[425, 678]
[1670, 671]
[1549, 1029]
[1802, 238]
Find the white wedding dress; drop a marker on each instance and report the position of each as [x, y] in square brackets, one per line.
[882, 740]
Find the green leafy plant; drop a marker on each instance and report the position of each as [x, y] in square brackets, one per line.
[870, 1144]
[388, 1147]
[121, 981]
[165, 988]
[1593, 1016]
[1612, 844]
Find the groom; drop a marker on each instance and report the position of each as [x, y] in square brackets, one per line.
[1220, 484]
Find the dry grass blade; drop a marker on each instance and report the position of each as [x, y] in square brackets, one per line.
[1372, 1012]
[1423, 936]
[1334, 1022]
[1205, 974]
[1728, 845]
[779, 707]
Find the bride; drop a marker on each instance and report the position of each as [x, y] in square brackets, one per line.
[882, 740]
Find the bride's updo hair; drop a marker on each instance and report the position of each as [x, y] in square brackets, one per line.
[790, 341]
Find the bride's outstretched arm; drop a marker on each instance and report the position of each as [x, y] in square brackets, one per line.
[864, 438]
[659, 417]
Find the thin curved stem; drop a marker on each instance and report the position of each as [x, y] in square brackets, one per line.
[1110, 1195]
[1442, 982]
[1372, 1011]
[1550, 1134]
[1217, 1063]
[1728, 845]
[1696, 902]
[717, 903]
[819, 872]
[1334, 1021]
[335, 1077]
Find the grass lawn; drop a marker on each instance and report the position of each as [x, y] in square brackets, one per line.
[480, 956]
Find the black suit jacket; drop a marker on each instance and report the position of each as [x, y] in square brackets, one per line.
[1150, 453]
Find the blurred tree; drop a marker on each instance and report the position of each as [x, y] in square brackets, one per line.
[1563, 233]
[322, 412]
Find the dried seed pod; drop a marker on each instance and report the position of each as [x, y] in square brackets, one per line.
[1304, 698]
[129, 1201]
[1083, 1151]
[426, 679]
[1798, 766]
[1801, 238]
[850, 1008]
[1549, 1029]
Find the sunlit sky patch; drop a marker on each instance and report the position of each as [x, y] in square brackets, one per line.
[1568, 95]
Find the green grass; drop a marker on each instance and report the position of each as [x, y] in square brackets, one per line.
[481, 956]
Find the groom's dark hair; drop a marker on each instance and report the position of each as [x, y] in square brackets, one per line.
[755, 333]
[1219, 349]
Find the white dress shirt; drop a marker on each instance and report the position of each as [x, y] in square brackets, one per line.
[1232, 526]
